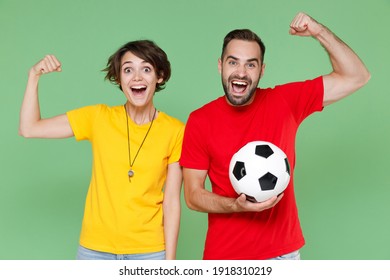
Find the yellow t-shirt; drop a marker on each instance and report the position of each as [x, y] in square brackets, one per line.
[123, 217]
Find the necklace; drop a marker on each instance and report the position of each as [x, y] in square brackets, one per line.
[131, 173]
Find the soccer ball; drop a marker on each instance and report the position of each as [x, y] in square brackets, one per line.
[260, 170]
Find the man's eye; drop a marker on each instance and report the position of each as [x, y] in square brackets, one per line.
[147, 69]
[232, 62]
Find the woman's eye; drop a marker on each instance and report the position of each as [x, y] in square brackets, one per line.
[147, 69]
[127, 70]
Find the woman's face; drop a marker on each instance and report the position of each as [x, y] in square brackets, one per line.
[138, 79]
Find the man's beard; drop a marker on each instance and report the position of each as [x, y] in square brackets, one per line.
[241, 100]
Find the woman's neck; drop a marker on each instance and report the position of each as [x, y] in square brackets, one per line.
[140, 115]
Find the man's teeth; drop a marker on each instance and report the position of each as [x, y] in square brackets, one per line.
[239, 83]
[138, 87]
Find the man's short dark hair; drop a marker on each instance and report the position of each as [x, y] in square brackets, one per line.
[245, 35]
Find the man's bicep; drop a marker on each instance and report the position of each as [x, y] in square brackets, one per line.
[194, 178]
[194, 182]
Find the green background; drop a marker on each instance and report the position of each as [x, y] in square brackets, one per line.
[342, 170]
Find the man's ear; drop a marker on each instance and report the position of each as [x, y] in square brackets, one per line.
[219, 65]
[262, 71]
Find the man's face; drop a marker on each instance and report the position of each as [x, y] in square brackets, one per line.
[241, 70]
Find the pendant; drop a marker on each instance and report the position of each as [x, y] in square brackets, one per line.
[130, 173]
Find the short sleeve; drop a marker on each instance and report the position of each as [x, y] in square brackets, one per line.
[304, 98]
[194, 152]
[82, 121]
[176, 151]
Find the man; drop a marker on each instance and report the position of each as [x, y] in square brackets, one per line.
[238, 228]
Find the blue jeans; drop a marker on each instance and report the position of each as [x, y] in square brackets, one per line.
[291, 256]
[87, 254]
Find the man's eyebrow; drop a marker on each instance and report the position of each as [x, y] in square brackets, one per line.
[232, 57]
[253, 59]
[248, 60]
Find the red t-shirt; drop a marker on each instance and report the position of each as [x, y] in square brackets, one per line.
[216, 131]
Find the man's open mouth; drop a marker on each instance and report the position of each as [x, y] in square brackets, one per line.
[239, 86]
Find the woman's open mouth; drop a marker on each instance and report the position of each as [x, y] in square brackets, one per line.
[138, 90]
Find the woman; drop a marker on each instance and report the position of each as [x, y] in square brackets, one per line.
[132, 208]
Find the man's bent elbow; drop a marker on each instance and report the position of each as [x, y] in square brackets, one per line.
[189, 203]
[364, 78]
[367, 77]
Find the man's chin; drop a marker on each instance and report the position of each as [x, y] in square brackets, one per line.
[237, 100]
